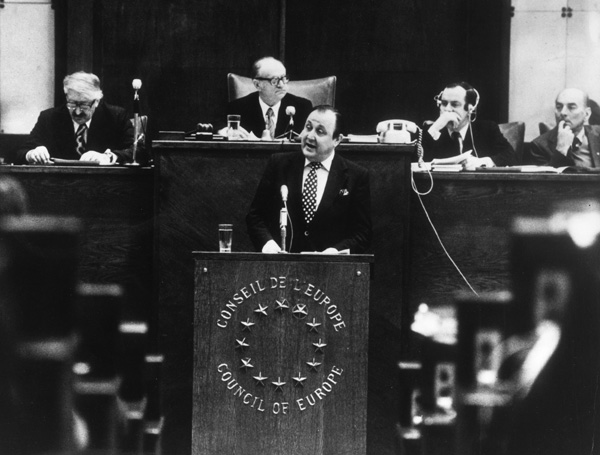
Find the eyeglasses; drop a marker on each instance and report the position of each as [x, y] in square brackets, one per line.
[72, 105]
[274, 80]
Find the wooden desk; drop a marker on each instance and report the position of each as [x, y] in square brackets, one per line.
[201, 184]
[115, 205]
[473, 212]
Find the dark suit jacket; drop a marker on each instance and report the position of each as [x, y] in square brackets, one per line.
[542, 150]
[110, 128]
[252, 117]
[342, 220]
[488, 139]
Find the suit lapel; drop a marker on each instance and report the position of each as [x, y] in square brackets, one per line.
[66, 125]
[293, 179]
[594, 144]
[282, 118]
[258, 114]
[553, 140]
[467, 141]
[335, 181]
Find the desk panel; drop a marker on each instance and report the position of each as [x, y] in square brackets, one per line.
[472, 213]
[116, 208]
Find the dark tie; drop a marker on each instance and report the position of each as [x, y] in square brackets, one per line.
[80, 139]
[572, 152]
[457, 139]
[270, 123]
[309, 193]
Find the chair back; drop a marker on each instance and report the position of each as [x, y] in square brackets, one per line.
[318, 91]
[514, 132]
[544, 127]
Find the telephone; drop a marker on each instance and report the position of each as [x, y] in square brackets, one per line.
[396, 131]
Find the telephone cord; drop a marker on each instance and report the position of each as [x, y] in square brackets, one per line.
[419, 194]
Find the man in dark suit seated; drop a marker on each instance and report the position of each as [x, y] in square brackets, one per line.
[84, 128]
[455, 131]
[329, 199]
[266, 108]
[572, 142]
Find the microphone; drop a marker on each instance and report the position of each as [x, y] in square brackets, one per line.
[136, 84]
[291, 111]
[283, 215]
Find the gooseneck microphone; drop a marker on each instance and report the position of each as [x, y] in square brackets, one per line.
[136, 84]
[283, 215]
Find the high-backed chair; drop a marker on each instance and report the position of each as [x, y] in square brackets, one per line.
[514, 132]
[318, 91]
[544, 127]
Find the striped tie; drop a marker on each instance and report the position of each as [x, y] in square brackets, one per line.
[80, 139]
[309, 193]
[270, 123]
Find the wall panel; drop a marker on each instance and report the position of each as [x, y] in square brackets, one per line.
[182, 52]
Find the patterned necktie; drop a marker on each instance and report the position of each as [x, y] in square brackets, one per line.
[309, 193]
[80, 139]
[270, 123]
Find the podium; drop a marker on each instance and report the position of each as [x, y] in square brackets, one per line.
[280, 354]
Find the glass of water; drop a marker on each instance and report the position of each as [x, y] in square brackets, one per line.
[225, 237]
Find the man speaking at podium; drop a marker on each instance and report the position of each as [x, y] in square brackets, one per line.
[328, 197]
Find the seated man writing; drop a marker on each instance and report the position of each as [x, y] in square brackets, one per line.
[572, 142]
[329, 200]
[455, 131]
[84, 128]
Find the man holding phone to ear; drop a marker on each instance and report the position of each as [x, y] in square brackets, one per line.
[572, 142]
[455, 131]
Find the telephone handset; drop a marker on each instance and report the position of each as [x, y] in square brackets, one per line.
[397, 124]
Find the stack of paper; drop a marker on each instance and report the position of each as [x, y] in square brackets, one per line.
[447, 167]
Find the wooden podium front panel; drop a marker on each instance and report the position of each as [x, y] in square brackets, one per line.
[280, 355]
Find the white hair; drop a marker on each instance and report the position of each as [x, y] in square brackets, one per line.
[84, 83]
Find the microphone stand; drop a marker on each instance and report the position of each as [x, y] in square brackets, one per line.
[283, 226]
[136, 126]
[136, 84]
[289, 133]
[291, 127]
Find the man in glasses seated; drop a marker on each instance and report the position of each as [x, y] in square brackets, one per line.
[84, 128]
[455, 131]
[266, 108]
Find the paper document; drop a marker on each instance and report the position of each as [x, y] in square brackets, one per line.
[453, 159]
[365, 138]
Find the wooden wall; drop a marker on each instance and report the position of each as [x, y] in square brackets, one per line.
[391, 56]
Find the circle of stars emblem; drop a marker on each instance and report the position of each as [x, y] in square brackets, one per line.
[242, 344]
